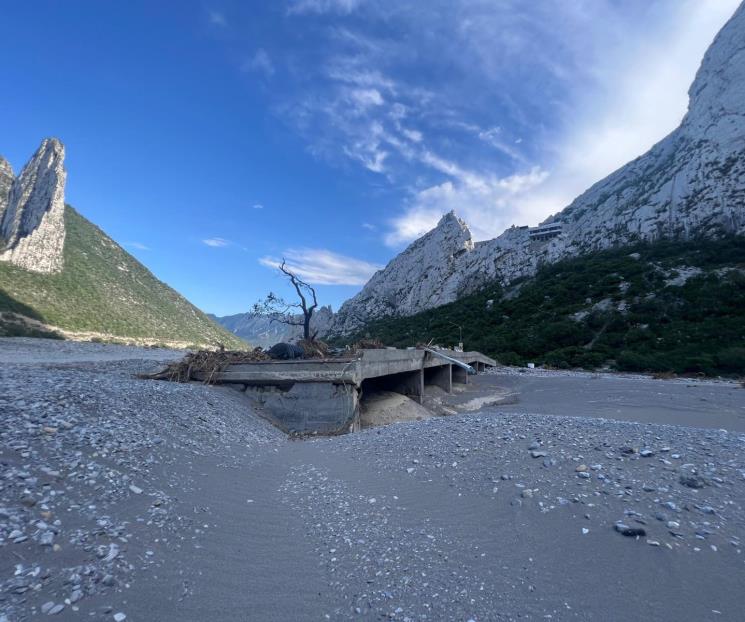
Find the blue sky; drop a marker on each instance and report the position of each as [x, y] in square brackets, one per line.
[211, 138]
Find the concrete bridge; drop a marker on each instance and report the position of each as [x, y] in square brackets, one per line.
[323, 395]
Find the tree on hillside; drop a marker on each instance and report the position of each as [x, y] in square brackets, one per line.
[286, 312]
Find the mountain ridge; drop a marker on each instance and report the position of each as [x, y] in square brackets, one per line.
[691, 183]
[61, 274]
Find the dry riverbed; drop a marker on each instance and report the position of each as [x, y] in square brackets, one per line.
[126, 499]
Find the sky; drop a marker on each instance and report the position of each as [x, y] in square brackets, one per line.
[213, 138]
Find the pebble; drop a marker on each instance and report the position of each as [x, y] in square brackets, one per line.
[626, 530]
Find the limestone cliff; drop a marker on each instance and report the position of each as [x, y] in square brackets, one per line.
[690, 184]
[32, 224]
[6, 181]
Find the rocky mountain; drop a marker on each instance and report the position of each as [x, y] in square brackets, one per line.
[32, 209]
[59, 272]
[689, 185]
[259, 330]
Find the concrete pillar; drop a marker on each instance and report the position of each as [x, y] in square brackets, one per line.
[460, 375]
[440, 376]
[410, 384]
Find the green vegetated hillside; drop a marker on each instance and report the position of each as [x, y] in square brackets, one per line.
[103, 289]
[677, 307]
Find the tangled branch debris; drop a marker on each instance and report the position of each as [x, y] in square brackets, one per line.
[314, 348]
[368, 344]
[208, 362]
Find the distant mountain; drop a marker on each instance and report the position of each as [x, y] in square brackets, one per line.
[260, 330]
[59, 272]
[689, 185]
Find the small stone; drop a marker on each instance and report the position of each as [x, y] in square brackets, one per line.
[47, 607]
[584, 475]
[630, 532]
[646, 453]
[581, 468]
[135, 489]
[534, 445]
[120, 617]
[108, 581]
[628, 450]
[653, 543]
[527, 493]
[56, 609]
[538, 454]
[28, 501]
[672, 524]
[692, 481]
[49, 430]
[585, 531]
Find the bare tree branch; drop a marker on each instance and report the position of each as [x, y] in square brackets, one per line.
[280, 310]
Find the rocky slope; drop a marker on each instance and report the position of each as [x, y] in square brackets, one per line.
[32, 205]
[690, 184]
[59, 270]
[259, 330]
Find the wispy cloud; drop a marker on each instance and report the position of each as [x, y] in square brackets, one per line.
[504, 111]
[216, 242]
[217, 18]
[322, 6]
[324, 267]
[257, 206]
[260, 62]
[485, 202]
[137, 245]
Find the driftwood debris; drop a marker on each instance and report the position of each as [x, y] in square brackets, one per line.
[208, 362]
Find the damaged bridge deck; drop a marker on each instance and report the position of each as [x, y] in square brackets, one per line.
[323, 395]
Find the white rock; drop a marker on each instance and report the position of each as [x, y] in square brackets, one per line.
[32, 227]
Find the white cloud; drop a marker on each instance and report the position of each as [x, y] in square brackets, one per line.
[323, 267]
[216, 242]
[368, 226]
[364, 99]
[260, 62]
[485, 202]
[257, 206]
[216, 18]
[137, 245]
[322, 6]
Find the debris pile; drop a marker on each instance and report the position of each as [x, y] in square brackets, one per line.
[207, 362]
[314, 348]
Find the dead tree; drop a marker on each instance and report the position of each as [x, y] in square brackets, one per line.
[280, 310]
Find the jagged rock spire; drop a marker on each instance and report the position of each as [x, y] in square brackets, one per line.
[32, 227]
[6, 181]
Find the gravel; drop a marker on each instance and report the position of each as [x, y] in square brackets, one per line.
[123, 498]
[75, 438]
